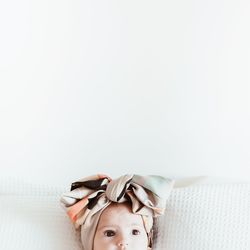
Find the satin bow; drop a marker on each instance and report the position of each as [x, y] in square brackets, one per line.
[146, 191]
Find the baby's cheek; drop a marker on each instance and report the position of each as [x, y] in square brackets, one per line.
[105, 241]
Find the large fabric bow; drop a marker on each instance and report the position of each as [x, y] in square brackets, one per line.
[89, 196]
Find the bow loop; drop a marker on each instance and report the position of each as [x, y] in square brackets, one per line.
[95, 182]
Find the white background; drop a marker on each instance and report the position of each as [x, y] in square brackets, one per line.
[115, 87]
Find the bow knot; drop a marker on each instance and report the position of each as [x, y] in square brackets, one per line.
[116, 189]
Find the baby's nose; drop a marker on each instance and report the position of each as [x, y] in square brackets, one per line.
[123, 243]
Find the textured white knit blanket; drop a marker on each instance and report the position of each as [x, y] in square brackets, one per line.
[204, 216]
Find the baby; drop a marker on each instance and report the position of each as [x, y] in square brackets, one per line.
[116, 214]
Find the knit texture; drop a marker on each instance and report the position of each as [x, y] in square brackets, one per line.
[206, 217]
[32, 218]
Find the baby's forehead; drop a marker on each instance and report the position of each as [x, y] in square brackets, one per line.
[118, 208]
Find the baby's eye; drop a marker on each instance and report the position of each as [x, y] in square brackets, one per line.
[135, 232]
[109, 233]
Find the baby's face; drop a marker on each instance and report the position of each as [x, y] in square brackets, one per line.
[119, 228]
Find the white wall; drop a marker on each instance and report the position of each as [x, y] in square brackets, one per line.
[148, 87]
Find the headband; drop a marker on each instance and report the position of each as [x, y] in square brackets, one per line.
[89, 196]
